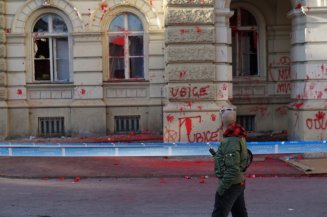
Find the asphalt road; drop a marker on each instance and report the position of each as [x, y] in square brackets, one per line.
[157, 197]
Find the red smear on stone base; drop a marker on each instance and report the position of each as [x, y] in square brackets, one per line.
[61, 178]
[298, 6]
[187, 177]
[162, 181]
[77, 179]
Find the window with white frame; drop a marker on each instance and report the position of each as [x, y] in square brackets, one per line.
[244, 43]
[51, 49]
[126, 47]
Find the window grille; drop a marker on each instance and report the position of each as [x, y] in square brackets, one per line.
[247, 121]
[51, 126]
[126, 124]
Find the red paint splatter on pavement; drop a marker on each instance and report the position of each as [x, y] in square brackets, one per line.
[61, 178]
[198, 29]
[77, 179]
[187, 177]
[162, 181]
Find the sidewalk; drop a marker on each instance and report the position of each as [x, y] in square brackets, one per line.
[137, 167]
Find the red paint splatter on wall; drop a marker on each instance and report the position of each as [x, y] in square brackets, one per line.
[298, 6]
[320, 115]
[213, 117]
[170, 118]
[198, 29]
[104, 6]
[19, 92]
[83, 91]
[119, 41]
[189, 104]
[188, 125]
[298, 105]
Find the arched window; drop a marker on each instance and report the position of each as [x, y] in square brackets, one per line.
[51, 49]
[244, 43]
[126, 47]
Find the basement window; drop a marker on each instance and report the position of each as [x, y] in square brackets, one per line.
[126, 124]
[51, 126]
[247, 121]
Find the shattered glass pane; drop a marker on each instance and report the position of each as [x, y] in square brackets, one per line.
[58, 24]
[42, 25]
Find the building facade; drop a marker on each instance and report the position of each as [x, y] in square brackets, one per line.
[85, 68]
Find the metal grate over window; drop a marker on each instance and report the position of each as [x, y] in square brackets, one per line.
[51, 126]
[247, 121]
[126, 124]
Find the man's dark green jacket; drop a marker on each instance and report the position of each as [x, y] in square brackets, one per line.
[230, 160]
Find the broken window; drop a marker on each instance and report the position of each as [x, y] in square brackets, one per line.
[244, 43]
[51, 53]
[126, 47]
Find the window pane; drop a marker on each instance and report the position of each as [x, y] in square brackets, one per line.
[136, 67]
[41, 48]
[117, 25]
[117, 68]
[248, 43]
[135, 45]
[62, 64]
[42, 24]
[134, 23]
[116, 46]
[58, 24]
[42, 70]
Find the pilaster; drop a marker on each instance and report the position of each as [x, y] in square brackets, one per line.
[307, 111]
[195, 63]
[3, 75]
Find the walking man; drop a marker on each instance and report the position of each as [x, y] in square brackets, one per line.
[230, 162]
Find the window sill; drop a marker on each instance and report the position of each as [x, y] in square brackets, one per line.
[136, 80]
[50, 84]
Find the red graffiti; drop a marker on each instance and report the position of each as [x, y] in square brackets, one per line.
[187, 92]
[198, 29]
[170, 135]
[182, 74]
[170, 118]
[205, 136]
[213, 117]
[200, 107]
[318, 123]
[19, 92]
[282, 110]
[284, 88]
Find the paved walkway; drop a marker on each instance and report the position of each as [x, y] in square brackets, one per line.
[135, 167]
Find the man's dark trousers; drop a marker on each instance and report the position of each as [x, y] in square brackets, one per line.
[231, 201]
